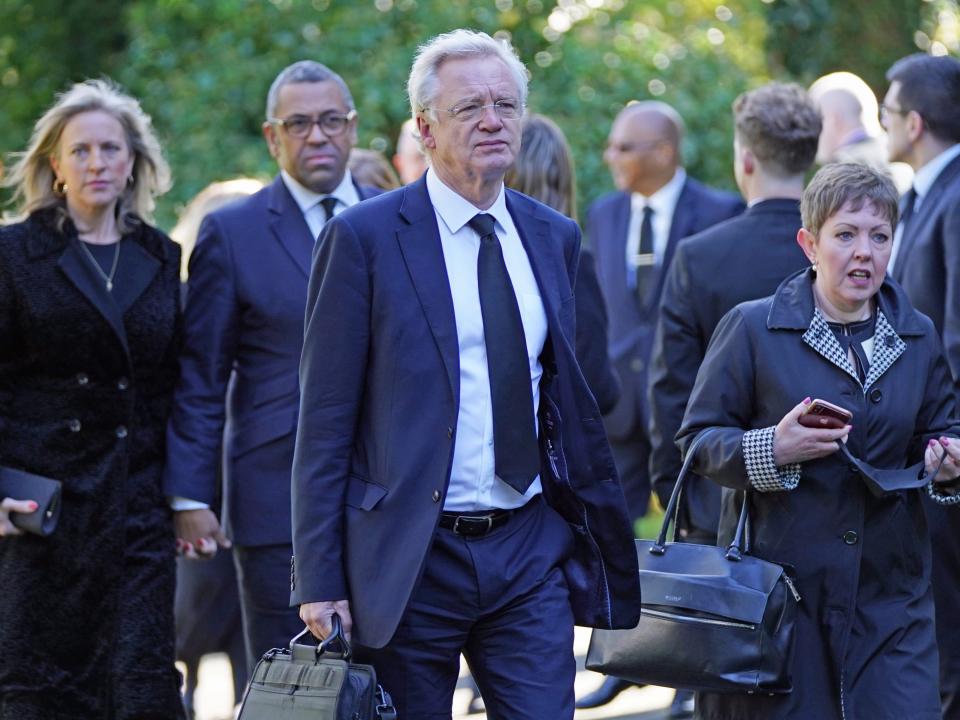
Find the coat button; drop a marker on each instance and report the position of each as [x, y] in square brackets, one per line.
[850, 537]
[82, 379]
[890, 340]
[123, 383]
[74, 425]
[876, 395]
[636, 365]
[121, 431]
[436, 496]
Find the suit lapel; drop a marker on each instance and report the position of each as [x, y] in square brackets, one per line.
[535, 236]
[917, 224]
[289, 226]
[78, 270]
[423, 255]
[681, 225]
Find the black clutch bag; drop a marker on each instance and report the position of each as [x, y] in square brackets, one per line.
[712, 619]
[313, 682]
[21, 485]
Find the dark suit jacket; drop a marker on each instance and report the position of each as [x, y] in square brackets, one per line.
[592, 324]
[928, 262]
[631, 322]
[244, 318]
[744, 258]
[928, 267]
[380, 385]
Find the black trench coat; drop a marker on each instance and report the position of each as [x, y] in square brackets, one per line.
[865, 645]
[86, 615]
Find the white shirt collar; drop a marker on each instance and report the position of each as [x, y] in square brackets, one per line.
[455, 210]
[664, 200]
[306, 199]
[928, 174]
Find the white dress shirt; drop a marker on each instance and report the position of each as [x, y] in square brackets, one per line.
[663, 202]
[309, 202]
[473, 483]
[922, 182]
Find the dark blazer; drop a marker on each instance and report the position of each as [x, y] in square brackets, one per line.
[632, 322]
[928, 267]
[743, 258]
[238, 393]
[380, 386]
[86, 382]
[862, 562]
[592, 324]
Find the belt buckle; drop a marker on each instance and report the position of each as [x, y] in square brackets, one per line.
[468, 533]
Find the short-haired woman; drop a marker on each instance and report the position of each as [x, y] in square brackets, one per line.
[839, 332]
[89, 328]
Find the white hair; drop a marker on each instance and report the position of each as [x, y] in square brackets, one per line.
[856, 89]
[422, 84]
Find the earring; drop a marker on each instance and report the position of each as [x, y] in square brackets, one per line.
[815, 265]
[131, 180]
[59, 187]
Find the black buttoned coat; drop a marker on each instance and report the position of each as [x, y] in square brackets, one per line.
[86, 380]
[865, 645]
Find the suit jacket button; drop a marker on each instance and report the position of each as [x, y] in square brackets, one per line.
[876, 395]
[82, 379]
[636, 365]
[74, 425]
[121, 432]
[123, 383]
[436, 496]
[850, 537]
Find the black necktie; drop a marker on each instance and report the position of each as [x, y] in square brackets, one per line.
[328, 203]
[514, 433]
[906, 234]
[645, 257]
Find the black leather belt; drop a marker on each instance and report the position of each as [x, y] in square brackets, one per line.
[474, 524]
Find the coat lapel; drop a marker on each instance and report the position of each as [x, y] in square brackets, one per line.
[78, 270]
[423, 255]
[137, 268]
[289, 226]
[535, 236]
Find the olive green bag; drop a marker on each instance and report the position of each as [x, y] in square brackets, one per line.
[312, 682]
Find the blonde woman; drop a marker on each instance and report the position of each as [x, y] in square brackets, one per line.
[89, 328]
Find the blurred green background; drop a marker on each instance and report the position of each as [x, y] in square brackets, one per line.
[202, 67]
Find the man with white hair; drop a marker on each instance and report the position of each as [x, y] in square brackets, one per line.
[453, 490]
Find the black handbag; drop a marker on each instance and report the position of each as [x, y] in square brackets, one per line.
[21, 485]
[712, 619]
[314, 682]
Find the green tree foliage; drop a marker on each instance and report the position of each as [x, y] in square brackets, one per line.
[202, 67]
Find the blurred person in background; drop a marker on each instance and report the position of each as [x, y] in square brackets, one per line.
[409, 160]
[923, 125]
[370, 167]
[237, 398]
[207, 602]
[90, 327]
[851, 126]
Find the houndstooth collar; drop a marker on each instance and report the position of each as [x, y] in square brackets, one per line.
[887, 346]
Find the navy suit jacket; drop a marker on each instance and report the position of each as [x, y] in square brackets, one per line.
[928, 262]
[631, 321]
[238, 393]
[380, 393]
[743, 258]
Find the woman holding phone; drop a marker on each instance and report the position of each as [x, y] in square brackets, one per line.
[841, 333]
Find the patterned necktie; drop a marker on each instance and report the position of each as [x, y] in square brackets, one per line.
[514, 432]
[328, 203]
[645, 258]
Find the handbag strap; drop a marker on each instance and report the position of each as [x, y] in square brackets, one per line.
[335, 636]
[740, 543]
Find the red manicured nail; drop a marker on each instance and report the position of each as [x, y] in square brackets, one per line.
[33, 506]
[931, 443]
[944, 441]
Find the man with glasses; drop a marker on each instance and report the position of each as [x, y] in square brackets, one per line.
[238, 394]
[920, 116]
[453, 490]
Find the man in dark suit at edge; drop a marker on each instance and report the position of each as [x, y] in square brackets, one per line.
[633, 233]
[432, 512]
[920, 116]
[238, 393]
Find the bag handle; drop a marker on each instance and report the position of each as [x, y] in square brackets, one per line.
[335, 636]
[737, 547]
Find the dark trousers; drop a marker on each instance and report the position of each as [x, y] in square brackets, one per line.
[268, 620]
[502, 600]
[632, 458]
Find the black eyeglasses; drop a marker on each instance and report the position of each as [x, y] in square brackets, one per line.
[886, 110]
[300, 126]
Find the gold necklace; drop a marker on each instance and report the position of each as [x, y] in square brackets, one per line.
[107, 279]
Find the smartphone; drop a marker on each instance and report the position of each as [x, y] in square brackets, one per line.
[823, 414]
